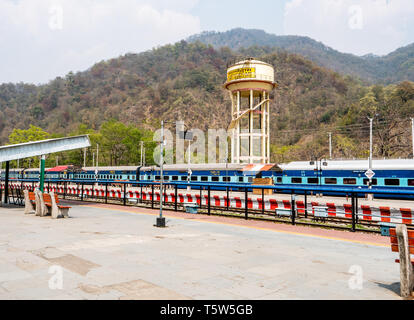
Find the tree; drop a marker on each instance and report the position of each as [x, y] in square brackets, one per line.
[21, 136]
[28, 135]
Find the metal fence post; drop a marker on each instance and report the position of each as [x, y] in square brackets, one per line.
[353, 213]
[106, 192]
[152, 196]
[228, 198]
[64, 189]
[293, 208]
[175, 198]
[82, 192]
[140, 195]
[124, 194]
[209, 201]
[246, 209]
[356, 209]
[263, 202]
[306, 204]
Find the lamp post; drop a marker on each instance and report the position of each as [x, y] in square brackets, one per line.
[187, 135]
[161, 220]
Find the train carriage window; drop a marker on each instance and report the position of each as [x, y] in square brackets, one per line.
[183, 178]
[241, 179]
[279, 180]
[204, 178]
[175, 178]
[411, 182]
[157, 177]
[296, 180]
[331, 181]
[226, 179]
[215, 179]
[374, 182]
[313, 180]
[350, 181]
[392, 182]
[166, 177]
[194, 178]
[250, 179]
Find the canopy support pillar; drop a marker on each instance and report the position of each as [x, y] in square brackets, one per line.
[6, 183]
[42, 173]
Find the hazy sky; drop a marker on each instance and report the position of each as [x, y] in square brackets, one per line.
[42, 39]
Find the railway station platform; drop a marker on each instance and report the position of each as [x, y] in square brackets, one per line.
[113, 252]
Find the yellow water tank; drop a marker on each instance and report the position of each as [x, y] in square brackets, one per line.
[250, 74]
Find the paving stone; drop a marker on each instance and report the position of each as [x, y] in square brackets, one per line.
[115, 253]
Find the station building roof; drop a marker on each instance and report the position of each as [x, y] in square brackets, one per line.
[44, 147]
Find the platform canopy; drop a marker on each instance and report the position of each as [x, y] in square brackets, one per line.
[44, 147]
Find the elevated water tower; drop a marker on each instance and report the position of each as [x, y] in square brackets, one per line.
[250, 82]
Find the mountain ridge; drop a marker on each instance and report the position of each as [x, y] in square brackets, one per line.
[394, 67]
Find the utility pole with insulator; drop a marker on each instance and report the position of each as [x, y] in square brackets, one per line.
[97, 155]
[412, 125]
[330, 145]
[370, 143]
[142, 154]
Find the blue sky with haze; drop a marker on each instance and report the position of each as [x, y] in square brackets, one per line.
[228, 14]
[43, 39]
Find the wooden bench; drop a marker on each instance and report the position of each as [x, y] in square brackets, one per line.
[402, 241]
[50, 206]
[29, 202]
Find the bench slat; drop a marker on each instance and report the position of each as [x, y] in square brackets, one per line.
[395, 249]
[393, 233]
[394, 240]
[398, 261]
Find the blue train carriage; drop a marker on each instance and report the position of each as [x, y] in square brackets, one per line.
[21, 174]
[195, 173]
[389, 174]
[115, 174]
[208, 173]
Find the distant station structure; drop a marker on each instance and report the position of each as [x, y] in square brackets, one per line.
[39, 149]
[250, 82]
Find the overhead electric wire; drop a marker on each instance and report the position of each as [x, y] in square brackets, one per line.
[354, 127]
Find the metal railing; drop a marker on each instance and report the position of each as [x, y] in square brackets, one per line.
[232, 199]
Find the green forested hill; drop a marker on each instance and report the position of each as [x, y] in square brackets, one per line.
[184, 82]
[395, 67]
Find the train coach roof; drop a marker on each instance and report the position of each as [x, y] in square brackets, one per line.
[391, 164]
[197, 167]
[125, 168]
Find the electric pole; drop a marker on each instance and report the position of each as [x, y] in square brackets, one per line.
[330, 145]
[161, 219]
[370, 142]
[412, 124]
[142, 149]
[84, 157]
[97, 155]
